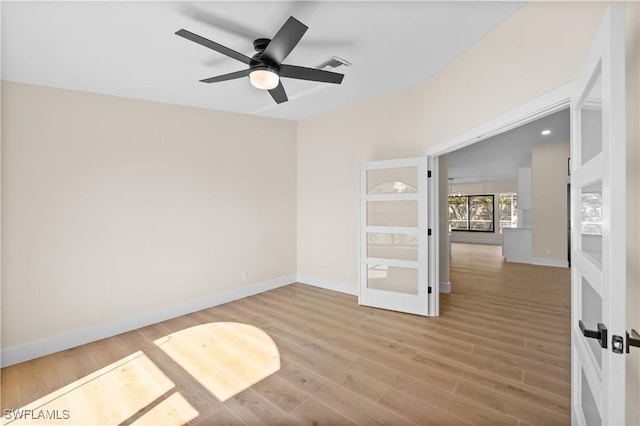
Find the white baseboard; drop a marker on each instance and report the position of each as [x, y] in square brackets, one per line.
[550, 262]
[347, 288]
[445, 287]
[475, 241]
[70, 339]
[342, 287]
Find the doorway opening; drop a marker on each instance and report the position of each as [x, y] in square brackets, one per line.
[477, 171]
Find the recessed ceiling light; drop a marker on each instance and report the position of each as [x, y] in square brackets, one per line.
[546, 132]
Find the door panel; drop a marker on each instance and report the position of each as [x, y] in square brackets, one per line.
[393, 232]
[598, 229]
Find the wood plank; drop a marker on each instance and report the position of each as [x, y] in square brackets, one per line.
[417, 411]
[351, 405]
[508, 348]
[333, 371]
[558, 387]
[314, 413]
[421, 388]
[252, 408]
[277, 390]
[524, 363]
[221, 417]
[515, 407]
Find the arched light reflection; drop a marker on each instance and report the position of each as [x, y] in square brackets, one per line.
[225, 357]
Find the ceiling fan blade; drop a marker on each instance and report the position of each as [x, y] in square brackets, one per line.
[225, 77]
[201, 12]
[278, 94]
[284, 41]
[313, 74]
[214, 46]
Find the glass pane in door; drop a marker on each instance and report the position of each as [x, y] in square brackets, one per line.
[397, 180]
[392, 278]
[392, 213]
[589, 407]
[591, 316]
[591, 122]
[392, 246]
[591, 221]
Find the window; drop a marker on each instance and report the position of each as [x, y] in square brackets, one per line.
[508, 211]
[458, 213]
[471, 213]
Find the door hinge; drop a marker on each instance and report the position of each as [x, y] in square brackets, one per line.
[428, 173]
[429, 232]
[429, 291]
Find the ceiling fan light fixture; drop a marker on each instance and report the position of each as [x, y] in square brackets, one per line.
[264, 78]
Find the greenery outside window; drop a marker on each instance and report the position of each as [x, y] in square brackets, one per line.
[472, 213]
[508, 211]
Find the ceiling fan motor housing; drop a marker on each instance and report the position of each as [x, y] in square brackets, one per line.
[259, 62]
[260, 44]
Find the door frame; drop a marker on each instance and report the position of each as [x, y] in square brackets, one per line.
[535, 109]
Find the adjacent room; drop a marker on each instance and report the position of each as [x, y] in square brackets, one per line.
[184, 230]
[511, 190]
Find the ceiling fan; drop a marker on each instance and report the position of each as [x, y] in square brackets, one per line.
[266, 67]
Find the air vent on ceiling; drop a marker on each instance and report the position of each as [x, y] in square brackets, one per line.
[333, 63]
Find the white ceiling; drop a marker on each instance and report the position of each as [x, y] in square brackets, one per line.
[129, 48]
[499, 157]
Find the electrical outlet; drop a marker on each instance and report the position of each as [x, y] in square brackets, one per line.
[244, 275]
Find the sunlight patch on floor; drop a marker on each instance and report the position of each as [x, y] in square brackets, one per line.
[111, 395]
[225, 357]
[174, 410]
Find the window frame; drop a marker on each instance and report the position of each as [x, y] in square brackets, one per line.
[493, 212]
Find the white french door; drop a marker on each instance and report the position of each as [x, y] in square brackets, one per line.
[598, 230]
[393, 236]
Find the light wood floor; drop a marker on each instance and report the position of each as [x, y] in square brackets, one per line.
[498, 354]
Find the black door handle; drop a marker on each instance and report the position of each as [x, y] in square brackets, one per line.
[600, 334]
[633, 339]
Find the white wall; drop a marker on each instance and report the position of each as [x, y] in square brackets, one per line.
[549, 201]
[116, 209]
[483, 188]
[515, 63]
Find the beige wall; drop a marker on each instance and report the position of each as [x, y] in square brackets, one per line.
[515, 63]
[633, 205]
[549, 202]
[114, 207]
[483, 188]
